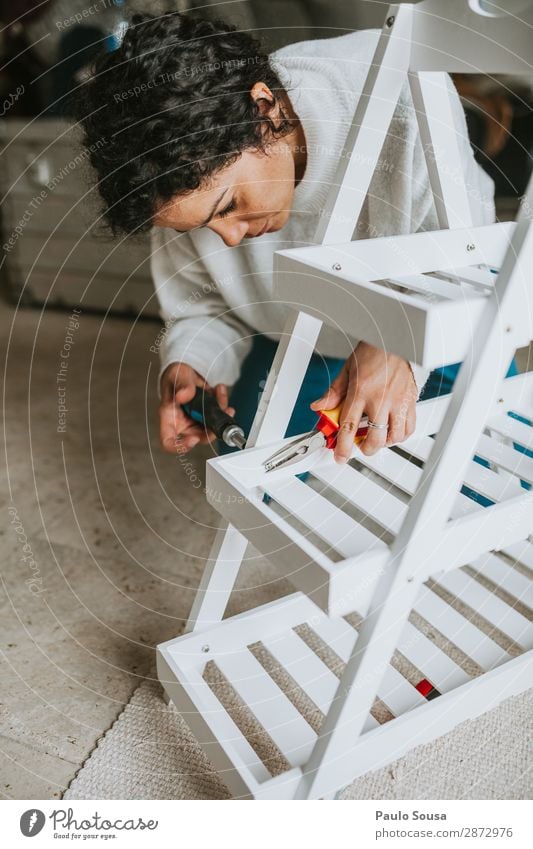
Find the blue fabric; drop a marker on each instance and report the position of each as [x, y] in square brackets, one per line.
[440, 381]
[245, 395]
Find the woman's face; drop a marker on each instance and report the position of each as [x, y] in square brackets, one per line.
[244, 200]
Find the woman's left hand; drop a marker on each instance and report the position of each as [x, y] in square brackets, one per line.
[379, 384]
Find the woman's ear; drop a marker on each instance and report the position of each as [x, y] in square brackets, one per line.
[266, 103]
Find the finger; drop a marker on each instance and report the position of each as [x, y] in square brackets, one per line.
[410, 421]
[403, 424]
[221, 394]
[396, 431]
[172, 421]
[335, 394]
[348, 423]
[376, 438]
[194, 434]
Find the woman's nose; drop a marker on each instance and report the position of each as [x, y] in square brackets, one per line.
[232, 232]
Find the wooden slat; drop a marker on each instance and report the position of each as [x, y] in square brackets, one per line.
[397, 693]
[431, 286]
[505, 456]
[338, 529]
[436, 666]
[394, 690]
[503, 575]
[513, 429]
[195, 692]
[305, 667]
[336, 633]
[317, 681]
[499, 614]
[477, 477]
[460, 631]
[482, 279]
[521, 551]
[406, 476]
[368, 496]
[394, 468]
[287, 728]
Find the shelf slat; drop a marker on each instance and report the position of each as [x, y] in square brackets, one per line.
[491, 608]
[338, 530]
[288, 729]
[460, 631]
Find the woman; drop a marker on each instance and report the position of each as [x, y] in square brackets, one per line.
[227, 154]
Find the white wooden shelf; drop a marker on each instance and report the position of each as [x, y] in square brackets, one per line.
[413, 567]
[418, 296]
[330, 534]
[255, 688]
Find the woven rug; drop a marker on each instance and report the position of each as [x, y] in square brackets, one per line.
[149, 753]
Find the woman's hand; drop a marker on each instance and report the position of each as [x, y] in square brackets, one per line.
[382, 386]
[177, 432]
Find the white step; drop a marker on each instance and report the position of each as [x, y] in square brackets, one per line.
[422, 316]
[231, 645]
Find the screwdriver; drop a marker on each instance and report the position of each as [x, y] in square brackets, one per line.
[203, 408]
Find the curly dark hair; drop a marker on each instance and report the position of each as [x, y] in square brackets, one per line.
[170, 107]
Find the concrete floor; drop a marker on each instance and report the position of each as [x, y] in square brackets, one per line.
[118, 532]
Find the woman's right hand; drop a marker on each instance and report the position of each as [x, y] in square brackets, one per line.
[177, 432]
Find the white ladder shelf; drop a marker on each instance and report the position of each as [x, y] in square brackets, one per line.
[414, 608]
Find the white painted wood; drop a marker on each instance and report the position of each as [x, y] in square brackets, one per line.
[482, 278]
[285, 378]
[341, 532]
[419, 253]
[513, 429]
[487, 529]
[433, 286]
[406, 476]
[395, 691]
[521, 552]
[305, 667]
[287, 728]
[505, 576]
[367, 133]
[228, 749]
[477, 477]
[419, 726]
[499, 614]
[483, 324]
[434, 664]
[218, 577]
[460, 631]
[505, 457]
[438, 134]
[308, 671]
[372, 499]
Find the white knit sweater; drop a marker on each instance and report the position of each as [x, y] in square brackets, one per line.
[214, 299]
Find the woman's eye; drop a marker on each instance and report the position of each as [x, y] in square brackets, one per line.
[229, 208]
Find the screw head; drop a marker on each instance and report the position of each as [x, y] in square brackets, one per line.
[471, 246]
[205, 648]
[390, 20]
[336, 266]
[508, 329]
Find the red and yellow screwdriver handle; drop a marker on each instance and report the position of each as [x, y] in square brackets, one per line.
[328, 424]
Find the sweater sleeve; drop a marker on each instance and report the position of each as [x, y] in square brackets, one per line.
[199, 327]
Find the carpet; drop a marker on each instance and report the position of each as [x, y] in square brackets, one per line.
[149, 753]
